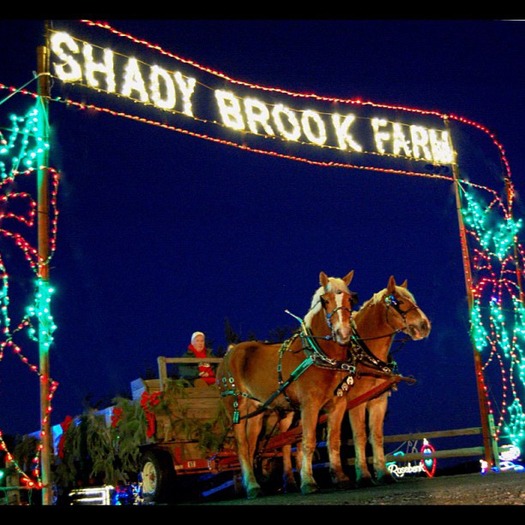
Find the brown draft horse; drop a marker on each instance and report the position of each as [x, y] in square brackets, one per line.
[300, 374]
[373, 374]
[387, 313]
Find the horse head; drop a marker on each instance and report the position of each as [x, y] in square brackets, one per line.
[335, 299]
[402, 312]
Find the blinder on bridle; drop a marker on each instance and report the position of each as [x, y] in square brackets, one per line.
[392, 301]
[353, 297]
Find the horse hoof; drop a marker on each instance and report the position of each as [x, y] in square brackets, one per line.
[344, 485]
[290, 488]
[386, 480]
[309, 488]
[253, 493]
[364, 483]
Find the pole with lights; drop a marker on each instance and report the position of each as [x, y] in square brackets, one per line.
[478, 366]
[43, 270]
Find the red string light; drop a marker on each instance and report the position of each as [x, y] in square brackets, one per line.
[498, 281]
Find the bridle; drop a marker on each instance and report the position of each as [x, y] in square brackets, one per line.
[392, 302]
[317, 357]
[353, 300]
[364, 355]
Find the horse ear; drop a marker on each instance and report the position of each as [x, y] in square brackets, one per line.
[405, 283]
[323, 279]
[391, 288]
[348, 277]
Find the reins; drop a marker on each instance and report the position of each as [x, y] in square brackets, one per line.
[315, 356]
[365, 357]
[359, 354]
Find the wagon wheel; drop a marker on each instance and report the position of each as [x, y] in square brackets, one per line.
[157, 476]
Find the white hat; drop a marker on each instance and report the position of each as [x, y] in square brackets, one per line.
[195, 334]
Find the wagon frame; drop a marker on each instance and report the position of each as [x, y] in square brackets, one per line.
[167, 456]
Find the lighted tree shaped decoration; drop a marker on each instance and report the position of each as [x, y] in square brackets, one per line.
[497, 317]
[19, 152]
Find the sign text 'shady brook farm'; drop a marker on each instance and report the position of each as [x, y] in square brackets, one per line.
[76, 61]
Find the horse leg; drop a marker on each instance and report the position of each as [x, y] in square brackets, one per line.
[298, 456]
[289, 483]
[308, 443]
[357, 417]
[376, 417]
[246, 434]
[334, 421]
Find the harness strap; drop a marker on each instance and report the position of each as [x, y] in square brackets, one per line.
[388, 384]
[294, 434]
[365, 356]
[345, 385]
[321, 360]
[315, 356]
[362, 355]
[283, 385]
[293, 376]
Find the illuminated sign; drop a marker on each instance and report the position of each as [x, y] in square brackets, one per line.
[202, 101]
[425, 465]
[508, 454]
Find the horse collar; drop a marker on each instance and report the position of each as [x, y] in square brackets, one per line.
[315, 352]
[365, 355]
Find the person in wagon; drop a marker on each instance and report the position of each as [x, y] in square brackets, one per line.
[204, 372]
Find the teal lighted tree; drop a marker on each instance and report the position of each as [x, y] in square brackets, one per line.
[497, 317]
[24, 316]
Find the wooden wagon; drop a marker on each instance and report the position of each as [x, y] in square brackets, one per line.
[179, 456]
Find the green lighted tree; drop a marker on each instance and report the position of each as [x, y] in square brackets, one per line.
[497, 317]
[21, 145]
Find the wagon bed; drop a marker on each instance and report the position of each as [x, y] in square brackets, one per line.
[175, 451]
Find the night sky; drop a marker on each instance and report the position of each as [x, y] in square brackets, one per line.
[161, 234]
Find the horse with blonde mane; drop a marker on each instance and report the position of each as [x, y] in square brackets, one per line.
[372, 375]
[301, 375]
[387, 313]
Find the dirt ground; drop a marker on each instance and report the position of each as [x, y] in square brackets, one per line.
[475, 489]
[459, 496]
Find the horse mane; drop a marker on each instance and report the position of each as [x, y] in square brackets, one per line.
[334, 284]
[378, 296]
